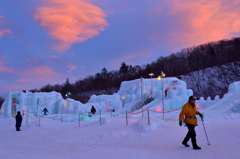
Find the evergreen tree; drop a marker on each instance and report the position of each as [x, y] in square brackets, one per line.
[66, 87]
[123, 68]
[104, 72]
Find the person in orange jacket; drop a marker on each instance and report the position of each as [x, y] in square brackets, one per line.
[189, 111]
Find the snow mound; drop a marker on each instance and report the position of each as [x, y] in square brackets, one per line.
[104, 121]
[142, 124]
[32, 122]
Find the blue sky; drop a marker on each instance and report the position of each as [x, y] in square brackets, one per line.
[46, 41]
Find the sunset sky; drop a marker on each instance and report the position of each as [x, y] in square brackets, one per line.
[46, 41]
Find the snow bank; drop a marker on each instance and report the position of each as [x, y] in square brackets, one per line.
[142, 124]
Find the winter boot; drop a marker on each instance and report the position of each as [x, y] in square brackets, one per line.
[185, 144]
[196, 148]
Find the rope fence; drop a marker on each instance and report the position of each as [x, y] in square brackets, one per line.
[37, 119]
[148, 113]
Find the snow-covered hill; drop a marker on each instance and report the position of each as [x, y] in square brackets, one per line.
[212, 81]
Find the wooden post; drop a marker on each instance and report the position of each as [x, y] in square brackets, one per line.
[148, 117]
[37, 108]
[67, 107]
[79, 119]
[39, 121]
[142, 95]
[126, 118]
[100, 117]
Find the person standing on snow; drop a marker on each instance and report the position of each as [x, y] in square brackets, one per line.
[18, 121]
[45, 111]
[93, 110]
[189, 111]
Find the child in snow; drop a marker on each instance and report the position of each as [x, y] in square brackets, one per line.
[93, 110]
[45, 111]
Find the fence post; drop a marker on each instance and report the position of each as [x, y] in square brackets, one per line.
[62, 117]
[126, 118]
[79, 119]
[100, 117]
[26, 117]
[39, 120]
[37, 108]
[148, 117]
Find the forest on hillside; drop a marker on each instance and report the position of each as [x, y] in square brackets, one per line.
[177, 64]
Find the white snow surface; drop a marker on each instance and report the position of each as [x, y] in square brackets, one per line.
[114, 139]
[106, 135]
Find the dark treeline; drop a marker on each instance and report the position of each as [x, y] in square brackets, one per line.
[180, 63]
[1, 102]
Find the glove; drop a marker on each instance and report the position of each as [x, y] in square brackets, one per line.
[200, 115]
[180, 123]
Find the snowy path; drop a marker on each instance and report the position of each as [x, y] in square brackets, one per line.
[114, 139]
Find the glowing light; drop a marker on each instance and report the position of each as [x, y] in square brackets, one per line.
[65, 103]
[151, 74]
[140, 85]
[164, 75]
[123, 97]
[108, 107]
[159, 108]
[159, 78]
[14, 104]
[197, 106]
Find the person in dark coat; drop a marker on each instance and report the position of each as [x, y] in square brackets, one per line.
[93, 110]
[45, 111]
[190, 112]
[18, 121]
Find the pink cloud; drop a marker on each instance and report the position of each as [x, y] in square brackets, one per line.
[71, 68]
[3, 68]
[43, 71]
[41, 75]
[204, 20]
[140, 55]
[54, 56]
[24, 80]
[3, 32]
[71, 21]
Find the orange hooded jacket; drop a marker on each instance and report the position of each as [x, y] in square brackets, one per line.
[189, 110]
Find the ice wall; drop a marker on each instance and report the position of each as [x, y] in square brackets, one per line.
[106, 102]
[177, 93]
[230, 103]
[32, 102]
[129, 94]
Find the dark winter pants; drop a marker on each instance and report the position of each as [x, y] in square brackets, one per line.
[191, 134]
[18, 128]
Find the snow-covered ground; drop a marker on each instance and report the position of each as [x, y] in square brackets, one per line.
[60, 136]
[115, 139]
